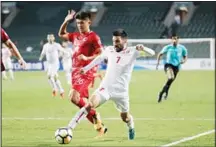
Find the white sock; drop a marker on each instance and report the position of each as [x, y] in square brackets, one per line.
[11, 74]
[82, 113]
[59, 86]
[130, 124]
[53, 84]
[68, 77]
[4, 75]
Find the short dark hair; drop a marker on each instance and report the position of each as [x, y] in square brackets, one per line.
[120, 32]
[175, 36]
[83, 15]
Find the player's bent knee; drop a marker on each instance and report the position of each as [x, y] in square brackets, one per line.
[94, 101]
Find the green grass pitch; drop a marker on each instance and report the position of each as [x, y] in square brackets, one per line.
[188, 111]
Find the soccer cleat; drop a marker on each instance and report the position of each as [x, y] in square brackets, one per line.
[54, 93]
[101, 131]
[99, 126]
[160, 96]
[62, 95]
[131, 134]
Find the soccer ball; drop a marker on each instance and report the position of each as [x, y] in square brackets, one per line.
[63, 135]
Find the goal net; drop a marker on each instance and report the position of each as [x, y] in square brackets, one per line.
[201, 52]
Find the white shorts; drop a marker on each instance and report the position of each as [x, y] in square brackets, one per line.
[121, 102]
[67, 66]
[8, 64]
[52, 69]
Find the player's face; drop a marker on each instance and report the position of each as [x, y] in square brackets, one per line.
[83, 25]
[50, 38]
[118, 43]
[175, 40]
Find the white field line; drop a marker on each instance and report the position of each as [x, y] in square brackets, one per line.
[189, 138]
[109, 118]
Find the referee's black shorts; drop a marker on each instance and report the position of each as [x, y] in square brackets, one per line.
[174, 68]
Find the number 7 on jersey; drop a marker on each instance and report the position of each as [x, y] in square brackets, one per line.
[118, 58]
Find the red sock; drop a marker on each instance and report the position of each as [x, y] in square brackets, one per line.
[90, 114]
[81, 103]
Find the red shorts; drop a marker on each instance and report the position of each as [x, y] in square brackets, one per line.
[2, 66]
[81, 82]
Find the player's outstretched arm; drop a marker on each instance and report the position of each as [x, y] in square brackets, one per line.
[63, 29]
[93, 63]
[147, 51]
[16, 52]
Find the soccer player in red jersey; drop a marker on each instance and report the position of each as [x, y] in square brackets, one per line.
[5, 39]
[87, 46]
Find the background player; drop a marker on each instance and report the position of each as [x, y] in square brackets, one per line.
[51, 49]
[6, 59]
[67, 61]
[176, 54]
[87, 46]
[116, 81]
[5, 39]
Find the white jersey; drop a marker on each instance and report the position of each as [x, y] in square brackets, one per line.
[52, 52]
[119, 68]
[67, 55]
[6, 54]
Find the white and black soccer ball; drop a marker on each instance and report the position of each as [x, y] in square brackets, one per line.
[63, 135]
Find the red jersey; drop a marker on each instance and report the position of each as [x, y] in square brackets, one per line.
[4, 36]
[86, 44]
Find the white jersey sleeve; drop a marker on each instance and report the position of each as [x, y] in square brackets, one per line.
[98, 59]
[145, 52]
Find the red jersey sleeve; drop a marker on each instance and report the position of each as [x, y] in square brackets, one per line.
[4, 36]
[71, 37]
[96, 41]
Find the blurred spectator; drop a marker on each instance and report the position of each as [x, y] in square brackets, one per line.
[172, 30]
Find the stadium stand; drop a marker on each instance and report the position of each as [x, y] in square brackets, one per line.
[137, 18]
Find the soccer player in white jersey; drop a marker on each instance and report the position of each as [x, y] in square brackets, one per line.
[115, 84]
[51, 49]
[67, 61]
[6, 59]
